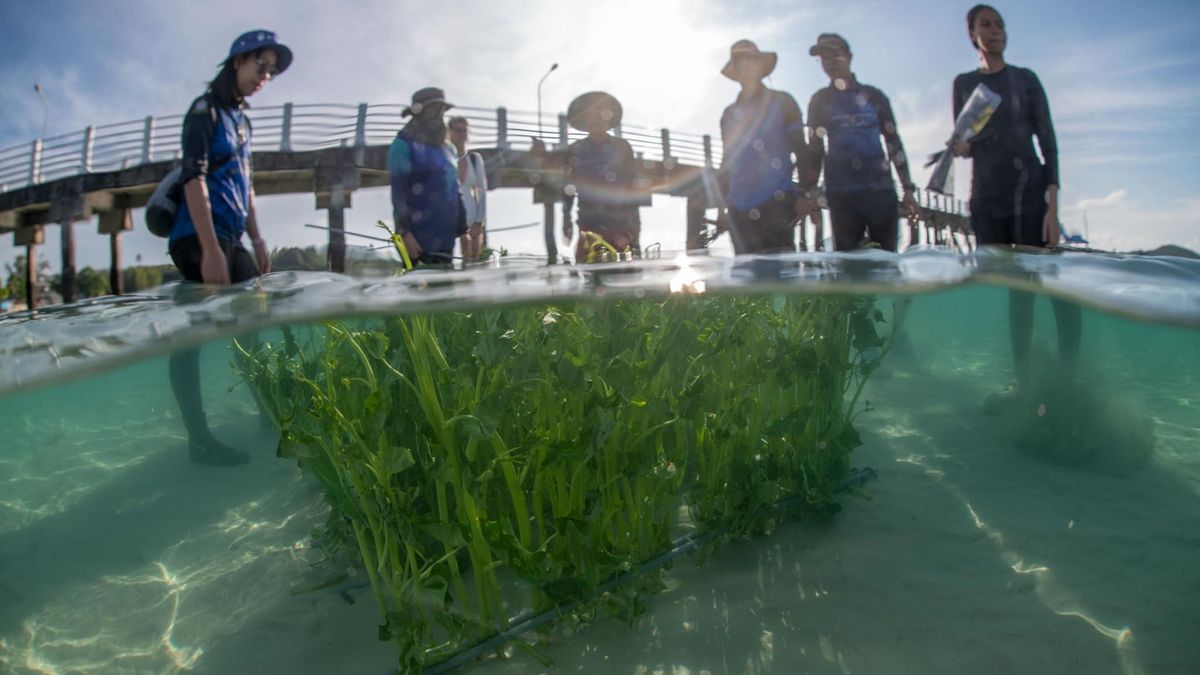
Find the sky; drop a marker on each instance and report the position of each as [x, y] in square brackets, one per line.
[1120, 78]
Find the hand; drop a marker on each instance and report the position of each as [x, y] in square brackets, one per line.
[959, 148]
[477, 230]
[909, 207]
[262, 255]
[410, 243]
[1051, 232]
[214, 269]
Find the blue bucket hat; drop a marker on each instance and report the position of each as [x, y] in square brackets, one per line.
[261, 39]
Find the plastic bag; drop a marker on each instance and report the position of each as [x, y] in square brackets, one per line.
[974, 117]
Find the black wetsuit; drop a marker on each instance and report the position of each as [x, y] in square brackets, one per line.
[1008, 192]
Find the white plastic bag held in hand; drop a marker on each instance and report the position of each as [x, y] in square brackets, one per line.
[974, 117]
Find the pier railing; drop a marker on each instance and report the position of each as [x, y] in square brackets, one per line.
[318, 126]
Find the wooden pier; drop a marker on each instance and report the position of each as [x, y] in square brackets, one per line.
[332, 151]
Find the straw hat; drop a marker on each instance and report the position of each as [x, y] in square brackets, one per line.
[747, 50]
[594, 103]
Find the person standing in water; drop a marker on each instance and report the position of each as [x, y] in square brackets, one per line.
[426, 203]
[1014, 196]
[472, 183]
[760, 133]
[853, 117]
[602, 172]
[205, 242]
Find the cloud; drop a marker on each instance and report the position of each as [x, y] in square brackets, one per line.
[1113, 198]
[1116, 99]
[1119, 222]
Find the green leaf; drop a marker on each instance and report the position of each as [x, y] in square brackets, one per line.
[446, 534]
[397, 459]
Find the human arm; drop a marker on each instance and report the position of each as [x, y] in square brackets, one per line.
[199, 127]
[1051, 230]
[1043, 128]
[895, 149]
[817, 124]
[798, 145]
[261, 253]
[958, 99]
[481, 200]
[214, 268]
[811, 173]
[400, 178]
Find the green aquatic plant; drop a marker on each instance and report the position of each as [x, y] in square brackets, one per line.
[479, 463]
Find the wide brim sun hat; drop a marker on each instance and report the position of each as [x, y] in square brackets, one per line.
[743, 49]
[426, 97]
[591, 104]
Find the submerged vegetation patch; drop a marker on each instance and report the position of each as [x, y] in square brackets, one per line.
[479, 464]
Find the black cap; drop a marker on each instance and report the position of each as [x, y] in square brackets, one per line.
[827, 42]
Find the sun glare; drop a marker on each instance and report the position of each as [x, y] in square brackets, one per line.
[661, 60]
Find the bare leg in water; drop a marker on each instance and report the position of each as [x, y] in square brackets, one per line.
[1067, 315]
[203, 447]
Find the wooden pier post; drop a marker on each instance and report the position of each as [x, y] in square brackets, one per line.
[67, 208]
[696, 206]
[335, 178]
[113, 223]
[336, 254]
[30, 237]
[551, 240]
[70, 282]
[31, 276]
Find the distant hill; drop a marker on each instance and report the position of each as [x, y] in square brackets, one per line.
[1172, 250]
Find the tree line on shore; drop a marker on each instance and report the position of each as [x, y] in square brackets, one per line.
[94, 282]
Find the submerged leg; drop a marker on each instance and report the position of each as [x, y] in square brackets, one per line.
[1069, 318]
[1020, 324]
[203, 447]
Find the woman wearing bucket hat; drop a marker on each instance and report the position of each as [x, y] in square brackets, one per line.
[761, 132]
[426, 204]
[205, 241]
[602, 172]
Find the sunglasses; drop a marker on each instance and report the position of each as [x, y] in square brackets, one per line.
[266, 67]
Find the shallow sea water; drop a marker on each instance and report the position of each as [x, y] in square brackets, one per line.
[971, 551]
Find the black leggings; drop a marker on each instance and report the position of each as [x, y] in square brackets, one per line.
[185, 365]
[858, 217]
[768, 228]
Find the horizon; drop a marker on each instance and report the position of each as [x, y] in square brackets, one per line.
[1120, 88]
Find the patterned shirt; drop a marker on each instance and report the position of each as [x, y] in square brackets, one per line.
[852, 121]
[216, 147]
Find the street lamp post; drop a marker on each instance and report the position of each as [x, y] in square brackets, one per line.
[553, 68]
[45, 107]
